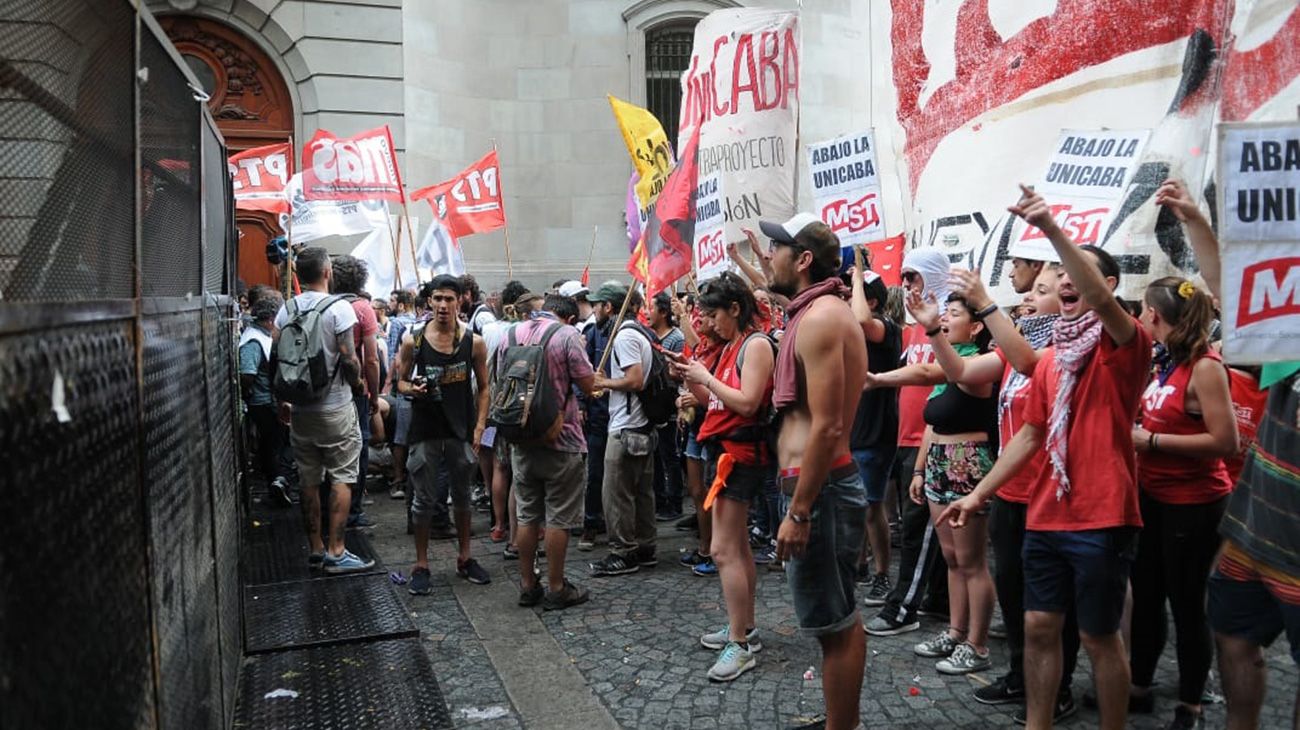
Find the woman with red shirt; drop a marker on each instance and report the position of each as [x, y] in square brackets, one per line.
[1188, 428]
[734, 430]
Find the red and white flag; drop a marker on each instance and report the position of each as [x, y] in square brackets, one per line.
[470, 202]
[362, 167]
[260, 176]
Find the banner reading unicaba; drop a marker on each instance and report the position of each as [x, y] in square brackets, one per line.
[742, 85]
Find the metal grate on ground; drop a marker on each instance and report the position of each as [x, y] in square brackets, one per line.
[335, 610]
[276, 549]
[386, 685]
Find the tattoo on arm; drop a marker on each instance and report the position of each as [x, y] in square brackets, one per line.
[348, 361]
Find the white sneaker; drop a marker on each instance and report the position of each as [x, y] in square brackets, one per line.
[719, 639]
[964, 660]
[732, 662]
[940, 646]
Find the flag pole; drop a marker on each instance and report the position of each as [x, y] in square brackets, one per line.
[410, 237]
[505, 227]
[397, 251]
[617, 323]
[592, 250]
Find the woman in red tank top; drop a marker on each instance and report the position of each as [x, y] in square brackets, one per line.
[738, 394]
[1188, 428]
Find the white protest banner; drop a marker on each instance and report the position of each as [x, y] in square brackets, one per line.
[711, 257]
[1084, 183]
[1259, 223]
[742, 87]
[845, 187]
[376, 250]
[313, 219]
[440, 252]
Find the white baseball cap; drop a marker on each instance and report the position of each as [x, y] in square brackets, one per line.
[573, 289]
[785, 232]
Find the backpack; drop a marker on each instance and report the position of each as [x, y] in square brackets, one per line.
[659, 396]
[766, 430]
[301, 373]
[473, 319]
[525, 406]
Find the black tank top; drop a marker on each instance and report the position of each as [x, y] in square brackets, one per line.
[955, 411]
[448, 410]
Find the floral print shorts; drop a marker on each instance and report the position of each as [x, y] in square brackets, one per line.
[953, 470]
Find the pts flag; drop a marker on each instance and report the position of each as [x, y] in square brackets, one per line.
[470, 202]
[356, 168]
[259, 177]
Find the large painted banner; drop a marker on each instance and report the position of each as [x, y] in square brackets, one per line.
[846, 187]
[1259, 224]
[742, 89]
[361, 167]
[259, 176]
[981, 91]
[1085, 181]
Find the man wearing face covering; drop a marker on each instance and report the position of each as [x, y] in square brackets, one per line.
[922, 573]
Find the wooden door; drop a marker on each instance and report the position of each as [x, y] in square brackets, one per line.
[251, 103]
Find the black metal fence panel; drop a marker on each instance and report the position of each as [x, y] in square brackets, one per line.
[119, 410]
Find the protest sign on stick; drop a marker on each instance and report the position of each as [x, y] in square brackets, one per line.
[711, 257]
[741, 87]
[1259, 215]
[846, 188]
[1084, 183]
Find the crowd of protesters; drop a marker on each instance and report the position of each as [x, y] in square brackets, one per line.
[1089, 464]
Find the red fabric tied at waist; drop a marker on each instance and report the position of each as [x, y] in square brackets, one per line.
[733, 452]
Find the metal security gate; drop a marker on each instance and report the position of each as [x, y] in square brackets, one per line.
[119, 567]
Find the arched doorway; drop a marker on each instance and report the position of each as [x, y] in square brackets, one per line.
[251, 103]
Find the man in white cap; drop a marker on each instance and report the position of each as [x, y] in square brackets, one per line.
[576, 290]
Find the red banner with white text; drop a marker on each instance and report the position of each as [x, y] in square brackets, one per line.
[361, 167]
[471, 202]
[260, 175]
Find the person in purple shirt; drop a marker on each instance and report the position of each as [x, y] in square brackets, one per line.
[549, 478]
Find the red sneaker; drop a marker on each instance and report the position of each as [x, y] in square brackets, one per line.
[498, 534]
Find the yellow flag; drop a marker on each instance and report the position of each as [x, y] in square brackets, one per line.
[648, 145]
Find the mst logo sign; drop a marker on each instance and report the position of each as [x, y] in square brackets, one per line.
[1269, 289]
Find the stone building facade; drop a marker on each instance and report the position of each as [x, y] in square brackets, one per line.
[454, 77]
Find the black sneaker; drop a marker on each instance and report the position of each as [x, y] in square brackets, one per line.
[646, 558]
[420, 584]
[864, 575]
[613, 564]
[1065, 709]
[688, 522]
[571, 595]
[878, 593]
[510, 553]
[471, 571]
[692, 558]
[1185, 719]
[881, 626]
[935, 612]
[1000, 693]
[532, 596]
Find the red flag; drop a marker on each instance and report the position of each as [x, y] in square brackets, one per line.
[586, 275]
[887, 259]
[669, 235]
[362, 167]
[637, 264]
[470, 202]
[259, 177]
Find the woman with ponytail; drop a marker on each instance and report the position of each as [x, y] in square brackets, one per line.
[1188, 428]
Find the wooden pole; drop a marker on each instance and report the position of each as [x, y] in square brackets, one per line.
[510, 269]
[591, 251]
[617, 323]
[397, 258]
[410, 238]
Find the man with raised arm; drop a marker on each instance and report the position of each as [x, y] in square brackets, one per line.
[1083, 517]
[817, 382]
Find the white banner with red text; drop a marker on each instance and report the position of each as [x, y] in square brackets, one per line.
[846, 187]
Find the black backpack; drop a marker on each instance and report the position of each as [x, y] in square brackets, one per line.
[525, 408]
[659, 396]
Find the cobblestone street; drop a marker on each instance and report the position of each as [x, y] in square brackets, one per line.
[631, 658]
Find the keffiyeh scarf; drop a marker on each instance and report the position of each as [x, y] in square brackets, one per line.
[1075, 341]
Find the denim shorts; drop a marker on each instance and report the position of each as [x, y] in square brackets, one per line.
[694, 450]
[873, 467]
[1089, 568]
[822, 580]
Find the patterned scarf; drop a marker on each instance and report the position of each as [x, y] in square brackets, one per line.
[1075, 341]
[1037, 331]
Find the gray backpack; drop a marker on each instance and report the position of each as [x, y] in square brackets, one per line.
[302, 374]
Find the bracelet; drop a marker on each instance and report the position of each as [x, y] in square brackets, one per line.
[1155, 443]
[933, 332]
[918, 472]
[990, 309]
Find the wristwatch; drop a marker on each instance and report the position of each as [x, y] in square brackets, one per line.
[799, 519]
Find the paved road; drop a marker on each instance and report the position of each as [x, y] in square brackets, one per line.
[630, 658]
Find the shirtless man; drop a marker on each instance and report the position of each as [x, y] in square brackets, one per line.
[818, 380]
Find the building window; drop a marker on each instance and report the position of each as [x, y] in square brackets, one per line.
[667, 56]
